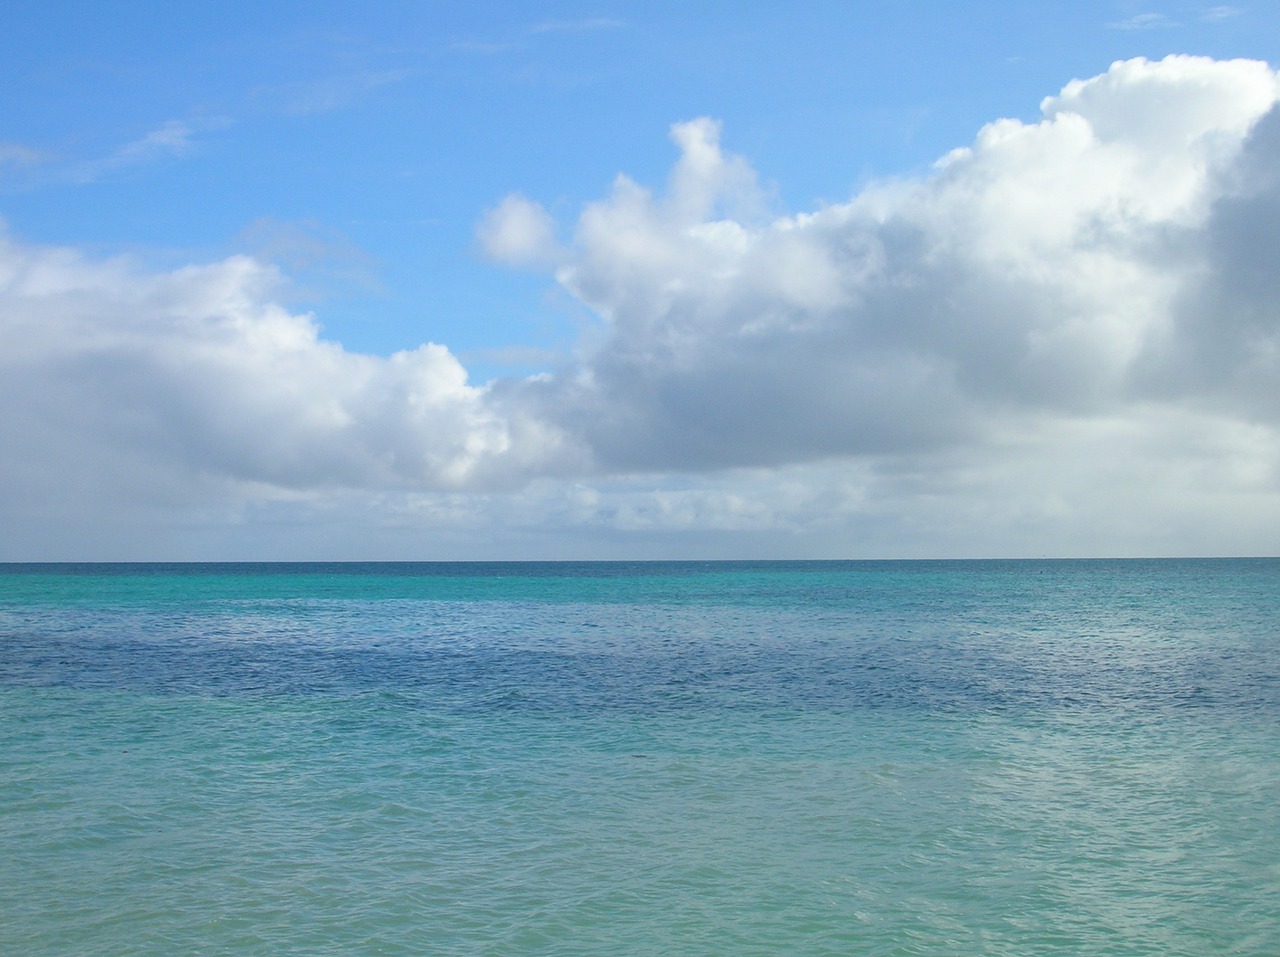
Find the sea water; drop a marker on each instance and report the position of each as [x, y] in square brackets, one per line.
[995, 758]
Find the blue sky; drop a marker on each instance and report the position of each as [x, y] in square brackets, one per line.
[446, 173]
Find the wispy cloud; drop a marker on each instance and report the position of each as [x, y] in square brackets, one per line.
[31, 167]
[13, 155]
[171, 139]
[318, 259]
[326, 93]
[521, 39]
[577, 26]
[1221, 13]
[1144, 21]
[174, 138]
[483, 47]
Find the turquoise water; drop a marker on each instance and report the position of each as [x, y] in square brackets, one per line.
[1011, 758]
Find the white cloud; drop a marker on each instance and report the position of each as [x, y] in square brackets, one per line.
[1064, 339]
[1034, 269]
[198, 374]
[1076, 270]
[519, 232]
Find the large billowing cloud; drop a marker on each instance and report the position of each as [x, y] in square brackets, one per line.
[1064, 338]
[1065, 267]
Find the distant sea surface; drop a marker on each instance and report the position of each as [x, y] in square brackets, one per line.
[944, 758]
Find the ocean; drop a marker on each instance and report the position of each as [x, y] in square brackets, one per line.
[739, 758]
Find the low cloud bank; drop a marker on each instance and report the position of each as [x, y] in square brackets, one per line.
[935, 355]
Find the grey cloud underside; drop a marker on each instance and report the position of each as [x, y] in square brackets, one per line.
[1223, 342]
[917, 357]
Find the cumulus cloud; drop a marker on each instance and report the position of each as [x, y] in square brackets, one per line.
[1040, 269]
[198, 372]
[519, 232]
[1068, 331]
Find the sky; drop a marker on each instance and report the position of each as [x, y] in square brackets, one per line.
[622, 280]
